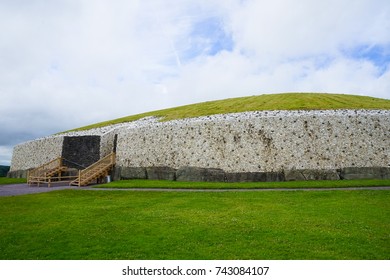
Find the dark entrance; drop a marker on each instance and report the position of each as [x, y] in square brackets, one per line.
[115, 142]
[81, 151]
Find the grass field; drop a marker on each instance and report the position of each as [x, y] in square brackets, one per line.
[8, 181]
[81, 224]
[285, 101]
[160, 184]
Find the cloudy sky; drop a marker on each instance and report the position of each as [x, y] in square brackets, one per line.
[69, 63]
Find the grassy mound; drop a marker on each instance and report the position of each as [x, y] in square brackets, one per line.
[269, 102]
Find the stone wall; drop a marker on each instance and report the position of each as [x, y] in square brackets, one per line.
[35, 153]
[107, 143]
[251, 146]
[262, 141]
[79, 149]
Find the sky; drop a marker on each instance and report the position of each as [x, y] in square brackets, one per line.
[70, 63]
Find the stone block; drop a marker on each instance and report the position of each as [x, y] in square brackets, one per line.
[161, 173]
[17, 174]
[198, 174]
[255, 177]
[239, 177]
[385, 172]
[275, 176]
[311, 174]
[294, 175]
[326, 174]
[356, 173]
[129, 173]
[116, 173]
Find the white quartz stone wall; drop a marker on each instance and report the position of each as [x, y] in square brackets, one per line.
[108, 133]
[107, 143]
[242, 142]
[262, 141]
[35, 153]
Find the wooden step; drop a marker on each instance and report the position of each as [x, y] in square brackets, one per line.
[95, 171]
[45, 173]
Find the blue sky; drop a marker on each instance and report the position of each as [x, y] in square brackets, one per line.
[64, 64]
[208, 38]
[379, 55]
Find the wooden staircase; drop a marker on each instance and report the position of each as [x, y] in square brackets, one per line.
[98, 170]
[47, 173]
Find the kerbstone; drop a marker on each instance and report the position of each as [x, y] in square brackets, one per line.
[254, 177]
[356, 173]
[161, 173]
[198, 174]
[17, 174]
[130, 173]
[294, 175]
[312, 174]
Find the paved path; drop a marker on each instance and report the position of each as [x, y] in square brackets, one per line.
[21, 189]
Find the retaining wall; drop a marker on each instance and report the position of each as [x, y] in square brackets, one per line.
[262, 141]
[33, 154]
[251, 146]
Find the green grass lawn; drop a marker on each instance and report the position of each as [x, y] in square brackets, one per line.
[284, 101]
[243, 185]
[82, 224]
[8, 181]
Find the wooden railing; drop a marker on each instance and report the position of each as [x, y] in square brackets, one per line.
[95, 171]
[45, 174]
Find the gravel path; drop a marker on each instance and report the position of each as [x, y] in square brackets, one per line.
[22, 189]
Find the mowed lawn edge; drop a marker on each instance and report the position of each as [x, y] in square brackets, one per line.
[164, 184]
[146, 225]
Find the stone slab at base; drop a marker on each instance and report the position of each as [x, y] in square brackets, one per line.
[198, 174]
[351, 173]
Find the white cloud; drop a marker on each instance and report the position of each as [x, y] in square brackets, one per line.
[283, 28]
[71, 63]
